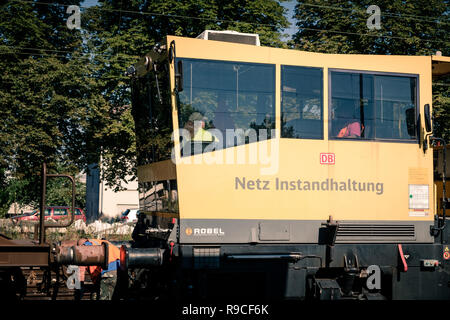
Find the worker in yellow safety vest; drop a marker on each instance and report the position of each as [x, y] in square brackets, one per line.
[196, 127]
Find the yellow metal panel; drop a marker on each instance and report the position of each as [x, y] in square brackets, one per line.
[418, 175]
[210, 191]
[205, 49]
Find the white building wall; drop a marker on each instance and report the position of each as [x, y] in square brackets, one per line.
[112, 204]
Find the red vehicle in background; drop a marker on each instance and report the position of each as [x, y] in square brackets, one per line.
[55, 213]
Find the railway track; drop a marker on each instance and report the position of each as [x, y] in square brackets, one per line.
[39, 288]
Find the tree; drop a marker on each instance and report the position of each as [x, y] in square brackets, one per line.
[48, 100]
[64, 98]
[59, 191]
[122, 31]
[415, 27]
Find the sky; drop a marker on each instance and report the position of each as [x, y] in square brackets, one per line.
[290, 5]
[89, 3]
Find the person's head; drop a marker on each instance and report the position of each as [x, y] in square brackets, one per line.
[196, 120]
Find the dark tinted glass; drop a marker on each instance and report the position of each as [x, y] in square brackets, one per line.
[368, 106]
[152, 116]
[352, 106]
[160, 196]
[301, 102]
[59, 212]
[393, 97]
[226, 96]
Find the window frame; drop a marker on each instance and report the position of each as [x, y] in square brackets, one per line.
[380, 73]
[148, 82]
[55, 210]
[178, 100]
[172, 204]
[322, 120]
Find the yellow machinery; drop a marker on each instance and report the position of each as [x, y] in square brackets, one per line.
[252, 158]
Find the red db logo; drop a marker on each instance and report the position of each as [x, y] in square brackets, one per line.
[327, 158]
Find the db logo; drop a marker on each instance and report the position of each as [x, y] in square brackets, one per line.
[327, 158]
[188, 231]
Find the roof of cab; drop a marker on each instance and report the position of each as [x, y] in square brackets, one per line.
[441, 65]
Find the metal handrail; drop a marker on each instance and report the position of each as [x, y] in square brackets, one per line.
[42, 224]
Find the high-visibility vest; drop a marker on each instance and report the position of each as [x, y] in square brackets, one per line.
[113, 258]
[203, 135]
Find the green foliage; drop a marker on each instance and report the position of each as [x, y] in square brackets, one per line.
[441, 108]
[48, 99]
[4, 197]
[121, 31]
[415, 27]
[64, 98]
[59, 193]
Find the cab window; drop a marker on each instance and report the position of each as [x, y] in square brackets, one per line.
[225, 103]
[373, 106]
[301, 102]
[151, 112]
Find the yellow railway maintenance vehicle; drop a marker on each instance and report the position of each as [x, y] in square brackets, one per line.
[276, 173]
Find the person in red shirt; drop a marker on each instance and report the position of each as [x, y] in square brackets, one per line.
[352, 130]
